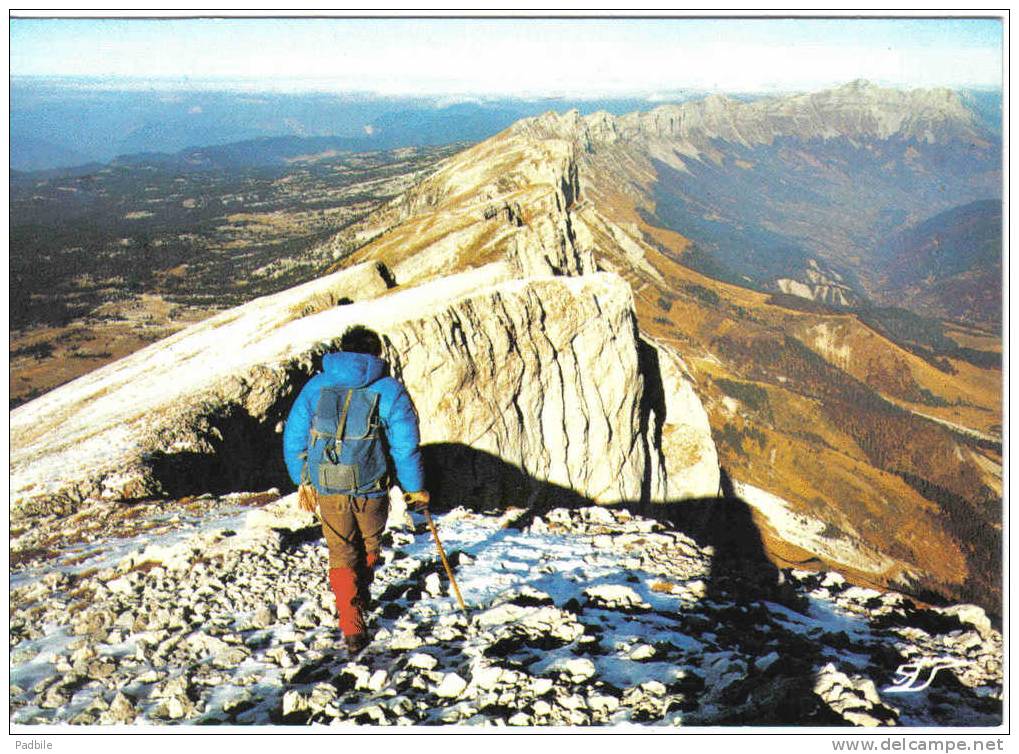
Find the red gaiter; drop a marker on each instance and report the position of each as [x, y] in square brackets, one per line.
[344, 584]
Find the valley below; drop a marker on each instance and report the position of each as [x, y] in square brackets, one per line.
[107, 259]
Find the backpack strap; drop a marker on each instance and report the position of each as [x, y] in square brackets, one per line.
[342, 424]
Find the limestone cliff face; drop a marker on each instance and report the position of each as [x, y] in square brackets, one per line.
[545, 382]
[688, 461]
[539, 385]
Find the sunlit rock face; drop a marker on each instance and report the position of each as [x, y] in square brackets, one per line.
[544, 373]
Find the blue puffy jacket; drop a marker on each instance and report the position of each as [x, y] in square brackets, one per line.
[396, 412]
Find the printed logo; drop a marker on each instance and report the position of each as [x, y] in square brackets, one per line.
[919, 674]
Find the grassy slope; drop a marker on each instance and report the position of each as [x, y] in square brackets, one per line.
[806, 406]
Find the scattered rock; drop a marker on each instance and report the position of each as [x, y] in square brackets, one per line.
[572, 702]
[375, 714]
[579, 669]
[202, 644]
[230, 657]
[121, 710]
[603, 703]
[294, 702]
[972, 615]
[22, 655]
[598, 515]
[422, 661]
[123, 585]
[54, 697]
[359, 674]
[642, 652]
[262, 617]
[192, 630]
[696, 588]
[855, 699]
[451, 686]
[378, 680]
[280, 655]
[541, 686]
[405, 640]
[101, 669]
[833, 580]
[322, 696]
[488, 677]
[615, 596]
[433, 585]
[237, 700]
[176, 708]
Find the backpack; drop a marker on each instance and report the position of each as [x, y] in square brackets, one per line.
[346, 454]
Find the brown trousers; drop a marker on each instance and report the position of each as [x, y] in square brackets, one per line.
[353, 528]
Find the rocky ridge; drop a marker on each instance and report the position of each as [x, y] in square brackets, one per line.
[709, 136]
[625, 194]
[510, 200]
[856, 110]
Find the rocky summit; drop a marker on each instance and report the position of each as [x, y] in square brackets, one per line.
[578, 616]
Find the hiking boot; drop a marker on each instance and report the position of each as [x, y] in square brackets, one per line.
[356, 644]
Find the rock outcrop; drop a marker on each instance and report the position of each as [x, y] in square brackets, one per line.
[826, 287]
[542, 378]
[510, 200]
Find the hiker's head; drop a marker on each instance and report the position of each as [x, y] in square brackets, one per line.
[359, 339]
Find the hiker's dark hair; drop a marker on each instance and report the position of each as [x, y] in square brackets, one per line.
[359, 339]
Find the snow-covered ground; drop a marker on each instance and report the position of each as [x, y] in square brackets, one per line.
[591, 616]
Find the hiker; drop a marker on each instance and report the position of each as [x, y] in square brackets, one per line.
[336, 454]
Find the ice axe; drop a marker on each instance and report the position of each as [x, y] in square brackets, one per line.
[442, 553]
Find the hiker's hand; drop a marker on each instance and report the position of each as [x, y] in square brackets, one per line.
[417, 501]
[307, 499]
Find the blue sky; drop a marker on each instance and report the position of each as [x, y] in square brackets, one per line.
[515, 56]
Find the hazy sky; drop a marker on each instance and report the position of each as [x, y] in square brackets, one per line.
[517, 56]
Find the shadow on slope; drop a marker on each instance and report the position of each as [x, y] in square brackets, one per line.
[237, 451]
[458, 474]
[741, 579]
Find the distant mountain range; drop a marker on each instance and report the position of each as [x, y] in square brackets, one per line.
[64, 123]
[803, 194]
